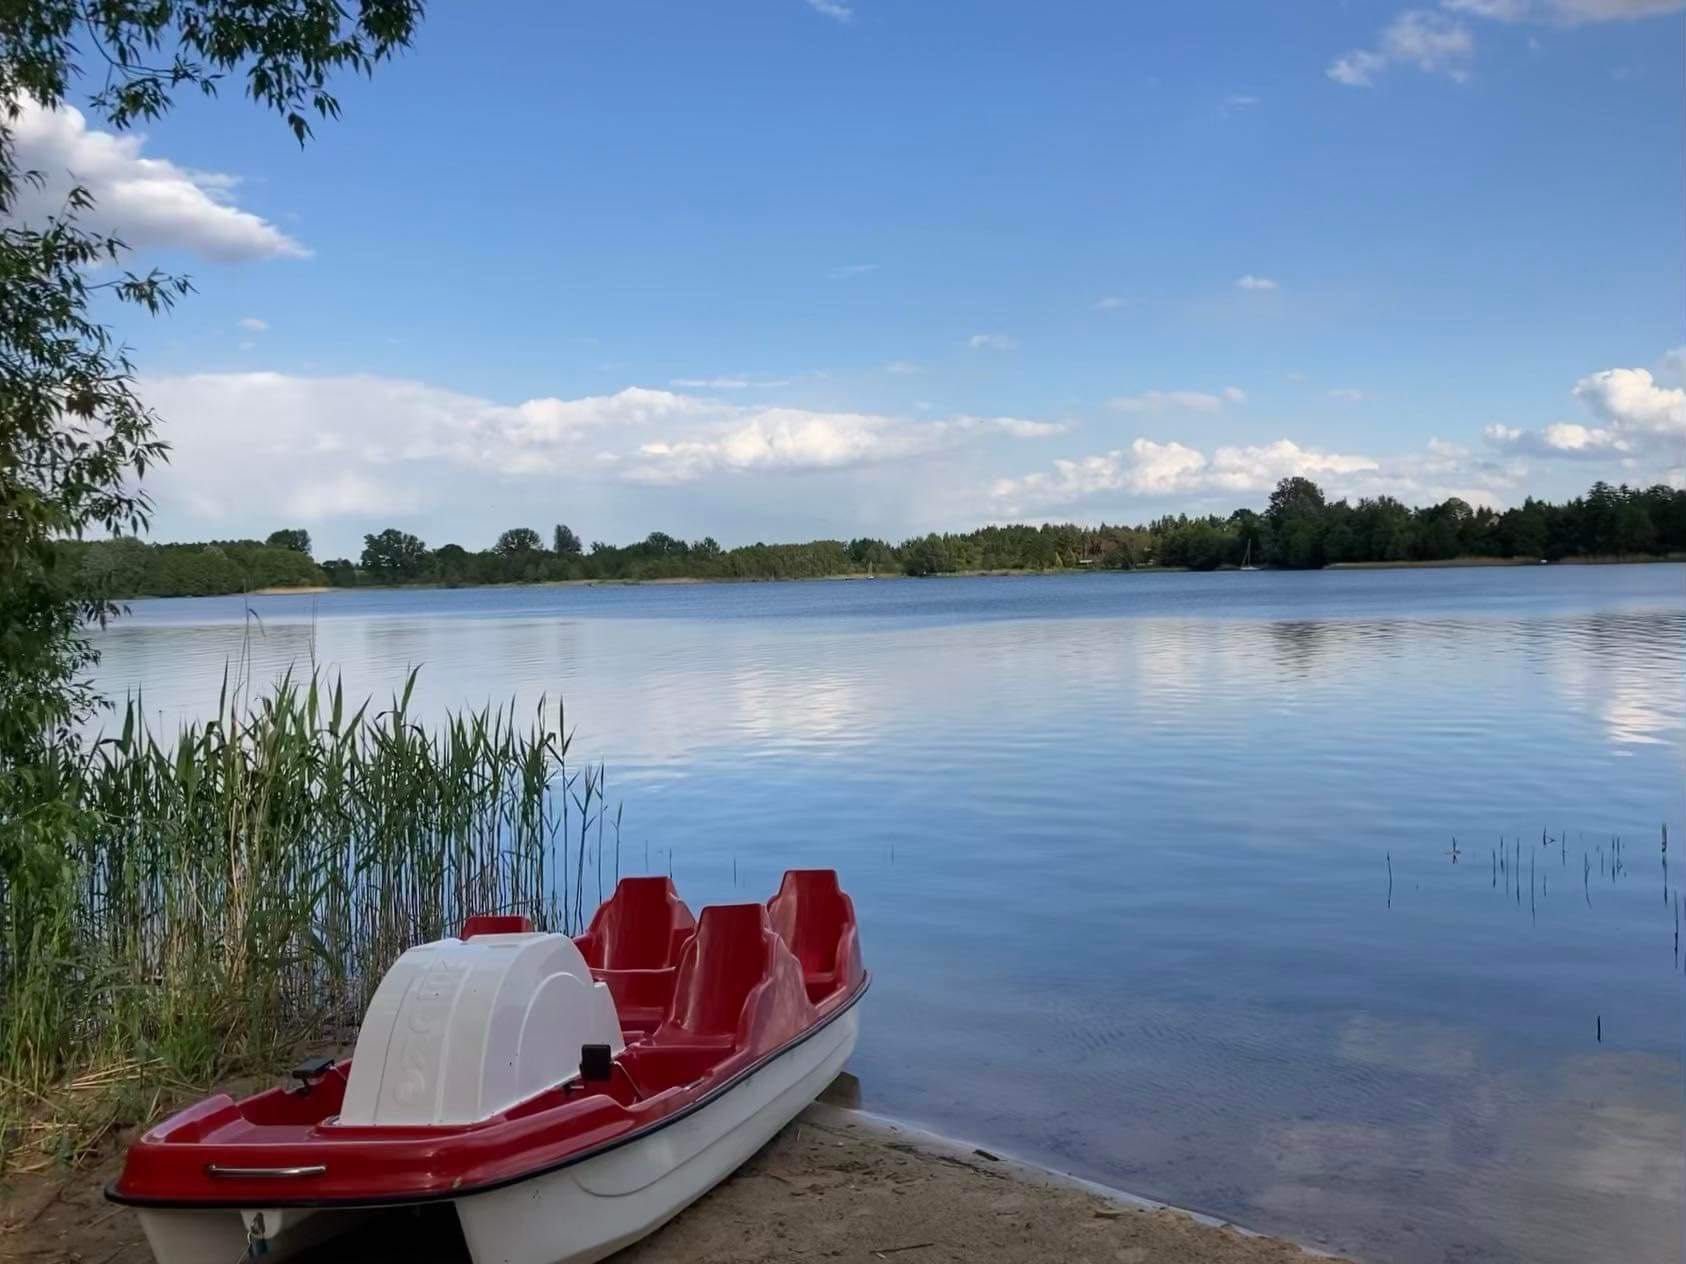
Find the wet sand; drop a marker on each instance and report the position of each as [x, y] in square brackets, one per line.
[835, 1186]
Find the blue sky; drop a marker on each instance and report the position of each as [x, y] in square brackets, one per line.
[790, 268]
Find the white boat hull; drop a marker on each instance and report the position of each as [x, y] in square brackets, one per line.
[592, 1209]
[576, 1214]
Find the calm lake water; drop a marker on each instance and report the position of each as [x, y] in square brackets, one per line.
[1156, 872]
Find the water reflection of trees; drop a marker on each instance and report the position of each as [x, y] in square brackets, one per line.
[1624, 664]
[1299, 645]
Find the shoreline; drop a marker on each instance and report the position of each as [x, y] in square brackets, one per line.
[836, 1183]
[1455, 563]
[947, 1149]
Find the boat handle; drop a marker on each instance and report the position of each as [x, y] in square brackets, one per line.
[265, 1173]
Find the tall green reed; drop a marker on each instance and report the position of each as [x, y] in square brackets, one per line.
[241, 888]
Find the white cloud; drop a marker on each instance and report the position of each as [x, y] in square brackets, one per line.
[1498, 10]
[1150, 468]
[1347, 394]
[1177, 473]
[1240, 101]
[729, 383]
[1185, 401]
[255, 447]
[1613, 10]
[148, 202]
[835, 9]
[1251, 282]
[1635, 415]
[1160, 467]
[1560, 438]
[1436, 43]
[1430, 41]
[1017, 427]
[992, 342]
[1631, 400]
[347, 494]
[795, 440]
[297, 434]
[847, 270]
[1357, 69]
[1570, 12]
[780, 438]
[1109, 303]
[351, 453]
[252, 324]
[902, 368]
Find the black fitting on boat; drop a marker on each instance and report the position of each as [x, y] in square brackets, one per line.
[597, 1064]
[309, 1071]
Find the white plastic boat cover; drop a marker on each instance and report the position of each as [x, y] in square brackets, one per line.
[460, 1030]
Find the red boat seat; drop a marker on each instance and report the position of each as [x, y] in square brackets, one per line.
[738, 985]
[816, 919]
[726, 958]
[642, 926]
[633, 945]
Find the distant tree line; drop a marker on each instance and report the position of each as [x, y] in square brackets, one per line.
[127, 567]
[1299, 529]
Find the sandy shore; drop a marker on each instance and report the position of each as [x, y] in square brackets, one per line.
[840, 1185]
[836, 1185]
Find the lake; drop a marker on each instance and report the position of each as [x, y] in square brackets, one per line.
[1156, 873]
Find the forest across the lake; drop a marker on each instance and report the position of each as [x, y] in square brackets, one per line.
[1300, 528]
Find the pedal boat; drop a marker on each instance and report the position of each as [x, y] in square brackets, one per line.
[564, 1096]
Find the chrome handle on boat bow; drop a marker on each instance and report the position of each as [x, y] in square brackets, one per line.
[265, 1173]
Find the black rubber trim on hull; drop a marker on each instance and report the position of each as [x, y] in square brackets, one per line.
[349, 1202]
